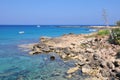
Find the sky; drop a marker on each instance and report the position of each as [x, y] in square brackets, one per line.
[58, 12]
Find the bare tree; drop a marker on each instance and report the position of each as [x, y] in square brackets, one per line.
[105, 17]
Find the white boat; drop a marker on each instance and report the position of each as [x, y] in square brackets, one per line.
[21, 32]
[38, 26]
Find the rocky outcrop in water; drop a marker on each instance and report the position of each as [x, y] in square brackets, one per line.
[94, 55]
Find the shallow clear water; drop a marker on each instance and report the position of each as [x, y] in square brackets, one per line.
[16, 64]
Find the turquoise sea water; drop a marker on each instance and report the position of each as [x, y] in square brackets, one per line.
[16, 64]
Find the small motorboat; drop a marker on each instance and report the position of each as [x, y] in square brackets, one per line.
[38, 26]
[21, 32]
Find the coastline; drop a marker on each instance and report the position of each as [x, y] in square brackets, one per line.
[95, 56]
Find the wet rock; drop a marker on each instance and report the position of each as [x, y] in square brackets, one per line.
[33, 52]
[55, 74]
[72, 70]
[52, 58]
[69, 76]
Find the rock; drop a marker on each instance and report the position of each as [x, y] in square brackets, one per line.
[58, 50]
[69, 76]
[117, 70]
[85, 68]
[80, 63]
[46, 49]
[88, 70]
[117, 63]
[103, 64]
[89, 50]
[118, 55]
[33, 52]
[55, 74]
[105, 73]
[72, 70]
[66, 51]
[44, 38]
[36, 49]
[52, 58]
[96, 57]
[63, 56]
[110, 65]
[118, 75]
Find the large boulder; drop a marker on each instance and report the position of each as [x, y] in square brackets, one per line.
[90, 71]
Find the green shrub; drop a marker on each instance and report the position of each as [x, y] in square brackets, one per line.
[103, 32]
[118, 23]
[116, 36]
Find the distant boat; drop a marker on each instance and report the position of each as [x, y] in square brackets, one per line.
[21, 32]
[38, 26]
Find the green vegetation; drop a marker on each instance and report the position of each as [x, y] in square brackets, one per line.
[103, 32]
[118, 23]
[115, 39]
[116, 36]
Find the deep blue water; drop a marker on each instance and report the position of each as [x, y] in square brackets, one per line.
[16, 64]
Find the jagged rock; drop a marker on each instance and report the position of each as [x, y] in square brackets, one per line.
[117, 70]
[89, 50]
[44, 38]
[105, 73]
[66, 51]
[118, 75]
[88, 70]
[110, 65]
[118, 55]
[72, 70]
[117, 63]
[36, 49]
[103, 64]
[96, 57]
[46, 49]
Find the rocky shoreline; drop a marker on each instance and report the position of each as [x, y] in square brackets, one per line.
[94, 55]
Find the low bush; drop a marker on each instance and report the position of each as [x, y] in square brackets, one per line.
[118, 23]
[103, 32]
[116, 36]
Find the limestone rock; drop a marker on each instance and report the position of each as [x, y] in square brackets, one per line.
[72, 70]
[110, 65]
[88, 70]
